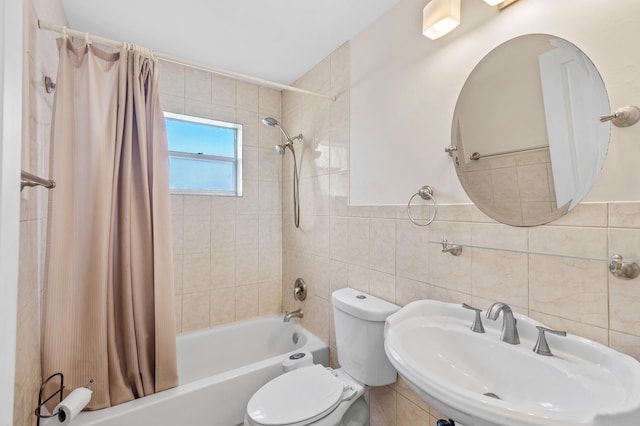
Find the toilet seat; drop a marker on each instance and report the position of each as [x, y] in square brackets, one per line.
[298, 398]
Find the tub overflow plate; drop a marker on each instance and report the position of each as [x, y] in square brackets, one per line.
[297, 356]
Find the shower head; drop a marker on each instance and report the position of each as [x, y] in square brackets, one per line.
[272, 122]
[280, 149]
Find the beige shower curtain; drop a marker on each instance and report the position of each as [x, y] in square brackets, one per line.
[108, 311]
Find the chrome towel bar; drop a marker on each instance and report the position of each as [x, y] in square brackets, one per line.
[28, 179]
[477, 155]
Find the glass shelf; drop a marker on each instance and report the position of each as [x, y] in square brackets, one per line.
[566, 256]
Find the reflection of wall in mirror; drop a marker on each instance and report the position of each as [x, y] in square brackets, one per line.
[517, 188]
[572, 112]
[504, 92]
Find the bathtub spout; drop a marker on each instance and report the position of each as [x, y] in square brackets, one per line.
[293, 314]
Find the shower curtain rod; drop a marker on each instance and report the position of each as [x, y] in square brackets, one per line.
[191, 64]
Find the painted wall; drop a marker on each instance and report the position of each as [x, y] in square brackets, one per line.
[227, 250]
[405, 87]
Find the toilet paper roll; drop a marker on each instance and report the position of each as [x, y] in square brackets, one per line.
[69, 408]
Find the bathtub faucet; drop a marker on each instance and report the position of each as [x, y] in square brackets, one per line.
[293, 314]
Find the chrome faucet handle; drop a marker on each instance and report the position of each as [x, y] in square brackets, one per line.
[477, 326]
[542, 347]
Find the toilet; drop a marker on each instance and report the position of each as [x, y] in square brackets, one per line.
[319, 396]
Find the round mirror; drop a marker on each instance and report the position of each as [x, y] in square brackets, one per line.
[527, 130]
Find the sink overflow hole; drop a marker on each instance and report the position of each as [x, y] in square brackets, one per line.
[491, 395]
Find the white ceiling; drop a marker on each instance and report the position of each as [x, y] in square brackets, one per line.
[277, 40]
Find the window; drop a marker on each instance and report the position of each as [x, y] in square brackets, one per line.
[205, 156]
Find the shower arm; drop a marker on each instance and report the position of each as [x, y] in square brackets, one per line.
[284, 132]
[286, 135]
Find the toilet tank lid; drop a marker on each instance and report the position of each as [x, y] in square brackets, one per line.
[362, 305]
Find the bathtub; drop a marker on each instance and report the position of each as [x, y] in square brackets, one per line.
[219, 369]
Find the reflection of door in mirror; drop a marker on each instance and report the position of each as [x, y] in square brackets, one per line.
[569, 109]
[527, 130]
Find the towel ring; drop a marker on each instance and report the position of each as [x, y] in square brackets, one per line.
[426, 193]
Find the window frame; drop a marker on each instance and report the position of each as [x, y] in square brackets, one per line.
[235, 161]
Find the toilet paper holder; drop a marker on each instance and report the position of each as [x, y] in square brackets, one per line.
[41, 402]
[59, 391]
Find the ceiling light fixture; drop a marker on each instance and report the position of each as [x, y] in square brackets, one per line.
[501, 3]
[440, 17]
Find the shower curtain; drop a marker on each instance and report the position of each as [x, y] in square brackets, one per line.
[108, 302]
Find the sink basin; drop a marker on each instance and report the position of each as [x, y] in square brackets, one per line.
[476, 379]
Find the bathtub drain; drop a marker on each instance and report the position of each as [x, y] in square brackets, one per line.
[491, 395]
[295, 338]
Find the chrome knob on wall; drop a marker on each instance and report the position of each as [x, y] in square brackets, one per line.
[623, 117]
[300, 290]
[623, 270]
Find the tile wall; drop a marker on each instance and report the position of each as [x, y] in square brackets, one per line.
[228, 250]
[518, 188]
[376, 249]
[41, 59]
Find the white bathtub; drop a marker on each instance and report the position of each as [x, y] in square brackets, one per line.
[219, 369]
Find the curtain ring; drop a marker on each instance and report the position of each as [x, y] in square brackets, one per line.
[64, 32]
[426, 193]
[86, 39]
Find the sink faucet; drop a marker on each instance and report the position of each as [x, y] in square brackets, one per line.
[509, 329]
[293, 314]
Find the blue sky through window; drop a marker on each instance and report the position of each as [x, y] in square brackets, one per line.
[203, 155]
[199, 138]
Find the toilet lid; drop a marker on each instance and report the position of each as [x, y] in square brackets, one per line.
[297, 397]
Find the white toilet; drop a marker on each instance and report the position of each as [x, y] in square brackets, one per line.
[319, 396]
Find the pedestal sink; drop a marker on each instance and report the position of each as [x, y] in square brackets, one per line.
[479, 380]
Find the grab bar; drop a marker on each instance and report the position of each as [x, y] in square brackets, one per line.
[28, 179]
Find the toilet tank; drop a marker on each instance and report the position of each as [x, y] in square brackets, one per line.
[359, 329]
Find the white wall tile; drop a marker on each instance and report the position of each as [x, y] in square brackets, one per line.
[382, 249]
[624, 215]
[223, 91]
[247, 96]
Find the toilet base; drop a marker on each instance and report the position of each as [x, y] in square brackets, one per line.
[357, 414]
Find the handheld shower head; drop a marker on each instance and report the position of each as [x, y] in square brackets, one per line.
[280, 149]
[272, 122]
